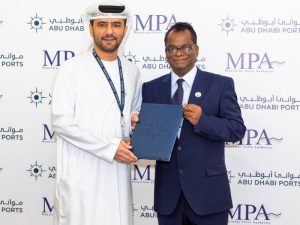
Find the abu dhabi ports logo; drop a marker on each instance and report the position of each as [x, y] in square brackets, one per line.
[36, 170]
[255, 139]
[56, 24]
[11, 134]
[227, 25]
[36, 23]
[274, 25]
[11, 206]
[271, 102]
[11, 60]
[252, 214]
[272, 178]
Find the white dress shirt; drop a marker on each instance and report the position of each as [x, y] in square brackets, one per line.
[187, 86]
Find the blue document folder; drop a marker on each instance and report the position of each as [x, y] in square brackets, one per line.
[155, 133]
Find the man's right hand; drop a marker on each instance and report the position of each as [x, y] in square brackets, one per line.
[134, 120]
[124, 154]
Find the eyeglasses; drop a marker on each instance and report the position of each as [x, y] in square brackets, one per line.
[171, 49]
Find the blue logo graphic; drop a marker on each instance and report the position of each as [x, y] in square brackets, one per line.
[132, 58]
[36, 97]
[227, 25]
[36, 23]
[36, 170]
[155, 129]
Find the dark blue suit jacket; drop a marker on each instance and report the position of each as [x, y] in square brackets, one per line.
[197, 166]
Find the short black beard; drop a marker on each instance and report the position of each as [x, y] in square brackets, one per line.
[105, 49]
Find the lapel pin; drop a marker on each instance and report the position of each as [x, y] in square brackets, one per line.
[198, 94]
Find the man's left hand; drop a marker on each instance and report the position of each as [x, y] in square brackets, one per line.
[192, 113]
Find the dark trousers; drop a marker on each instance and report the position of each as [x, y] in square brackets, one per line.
[184, 215]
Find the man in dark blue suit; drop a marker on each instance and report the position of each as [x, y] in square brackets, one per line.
[193, 188]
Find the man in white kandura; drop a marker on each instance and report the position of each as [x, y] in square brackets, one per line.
[94, 97]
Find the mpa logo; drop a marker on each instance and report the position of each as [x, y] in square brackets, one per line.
[153, 23]
[143, 174]
[252, 214]
[54, 60]
[49, 135]
[251, 62]
[47, 207]
[258, 139]
[227, 25]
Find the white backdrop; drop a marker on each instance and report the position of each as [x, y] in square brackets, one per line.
[255, 42]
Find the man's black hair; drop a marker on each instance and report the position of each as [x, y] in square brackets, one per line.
[181, 26]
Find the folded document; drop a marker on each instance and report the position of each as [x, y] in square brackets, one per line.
[155, 133]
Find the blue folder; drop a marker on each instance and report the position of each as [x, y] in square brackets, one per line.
[155, 133]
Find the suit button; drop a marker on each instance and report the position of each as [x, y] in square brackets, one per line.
[179, 148]
[180, 171]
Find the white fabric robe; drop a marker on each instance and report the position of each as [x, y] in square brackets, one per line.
[91, 187]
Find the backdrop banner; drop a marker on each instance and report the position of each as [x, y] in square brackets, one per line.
[257, 43]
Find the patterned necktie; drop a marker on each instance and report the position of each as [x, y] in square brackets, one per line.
[178, 95]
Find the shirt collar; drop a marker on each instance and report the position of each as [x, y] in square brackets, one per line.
[188, 77]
